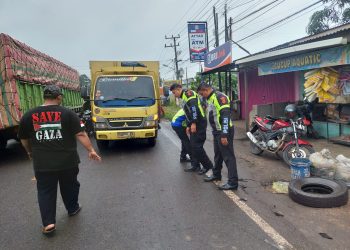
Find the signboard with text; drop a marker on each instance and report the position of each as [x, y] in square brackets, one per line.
[218, 57]
[198, 40]
[313, 60]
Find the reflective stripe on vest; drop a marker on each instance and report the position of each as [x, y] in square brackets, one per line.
[180, 114]
[195, 95]
[216, 108]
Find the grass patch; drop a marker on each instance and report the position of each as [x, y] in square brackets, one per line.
[170, 111]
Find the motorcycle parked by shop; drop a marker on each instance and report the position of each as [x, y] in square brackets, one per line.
[280, 135]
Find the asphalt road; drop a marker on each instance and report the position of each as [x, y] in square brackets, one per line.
[137, 198]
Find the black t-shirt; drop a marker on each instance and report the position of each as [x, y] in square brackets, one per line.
[51, 131]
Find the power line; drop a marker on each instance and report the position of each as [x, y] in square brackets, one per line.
[242, 26]
[256, 11]
[276, 27]
[184, 15]
[279, 21]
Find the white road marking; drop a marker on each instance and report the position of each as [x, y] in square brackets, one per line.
[279, 240]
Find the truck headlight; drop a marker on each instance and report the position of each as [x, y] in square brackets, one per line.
[99, 119]
[101, 125]
[151, 121]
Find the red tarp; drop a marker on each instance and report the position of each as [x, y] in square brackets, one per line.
[27, 64]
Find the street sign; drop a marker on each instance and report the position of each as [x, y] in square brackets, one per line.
[218, 57]
[198, 40]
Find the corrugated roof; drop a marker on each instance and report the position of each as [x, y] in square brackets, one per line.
[333, 32]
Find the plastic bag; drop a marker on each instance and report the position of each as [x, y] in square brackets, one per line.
[342, 168]
[323, 164]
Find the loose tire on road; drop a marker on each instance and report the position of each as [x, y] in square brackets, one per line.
[318, 192]
[102, 145]
[289, 152]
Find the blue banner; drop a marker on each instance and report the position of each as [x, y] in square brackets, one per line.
[218, 57]
[313, 60]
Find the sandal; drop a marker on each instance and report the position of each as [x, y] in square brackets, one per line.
[48, 231]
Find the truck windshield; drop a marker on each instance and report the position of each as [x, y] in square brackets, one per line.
[112, 91]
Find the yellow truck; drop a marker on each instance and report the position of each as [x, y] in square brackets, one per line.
[124, 100]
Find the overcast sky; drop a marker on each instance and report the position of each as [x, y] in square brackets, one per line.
[76, 31]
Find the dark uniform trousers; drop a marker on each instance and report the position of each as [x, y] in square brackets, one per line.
[197, 141]
[225, 154]
[185, 141]
[47, 192]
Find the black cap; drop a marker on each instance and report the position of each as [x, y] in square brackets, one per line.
[52, 91]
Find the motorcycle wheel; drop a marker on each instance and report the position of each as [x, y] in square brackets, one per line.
[290, 153]
[254, 149]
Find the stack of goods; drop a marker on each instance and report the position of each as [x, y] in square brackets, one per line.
[322, 83]
[344, 80]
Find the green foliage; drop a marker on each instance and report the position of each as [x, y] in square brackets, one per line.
[334, 13]
[84, 80]
[214, 81]
[170, 111]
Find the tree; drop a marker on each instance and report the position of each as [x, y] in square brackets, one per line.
[214, 81]
[84, 80]
[336, 12]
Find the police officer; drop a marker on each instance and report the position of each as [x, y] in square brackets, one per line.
[197, 126]
[223, 131]
[179, 125]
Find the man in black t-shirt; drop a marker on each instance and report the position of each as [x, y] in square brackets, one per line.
[49, 134]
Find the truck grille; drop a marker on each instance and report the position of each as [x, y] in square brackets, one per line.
[125, 122]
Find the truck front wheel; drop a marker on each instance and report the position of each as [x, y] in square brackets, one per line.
[102, 145]
[152, 141]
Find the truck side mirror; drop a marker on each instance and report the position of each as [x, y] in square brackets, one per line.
[85, 92]
[166, 91]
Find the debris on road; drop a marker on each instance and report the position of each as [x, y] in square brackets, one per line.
[280, 187]
[326, 236]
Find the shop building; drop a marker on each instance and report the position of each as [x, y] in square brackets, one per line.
[315, 67]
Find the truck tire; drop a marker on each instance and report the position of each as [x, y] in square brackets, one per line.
[3, 143]
[152, 141]
[102, 145]
[318, 192]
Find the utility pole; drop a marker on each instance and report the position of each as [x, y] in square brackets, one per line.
[230, 28]
[174, 45]
[216, 28]
[226, 26]
[186, 78]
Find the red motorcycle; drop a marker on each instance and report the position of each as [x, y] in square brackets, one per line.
[280, 135]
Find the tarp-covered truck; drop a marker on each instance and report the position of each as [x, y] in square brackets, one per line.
[24, 71]
[125, 100]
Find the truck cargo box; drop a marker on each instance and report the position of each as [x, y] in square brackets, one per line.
[24, 72]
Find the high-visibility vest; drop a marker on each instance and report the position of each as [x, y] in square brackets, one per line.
[179, 119]
[193, 96]
[216, 107]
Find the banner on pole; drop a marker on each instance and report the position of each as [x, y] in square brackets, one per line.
[218, 57]
[198, 40]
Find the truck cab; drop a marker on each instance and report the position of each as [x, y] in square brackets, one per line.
[124, 100]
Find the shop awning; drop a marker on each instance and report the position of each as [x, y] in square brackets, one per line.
[291, 50]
